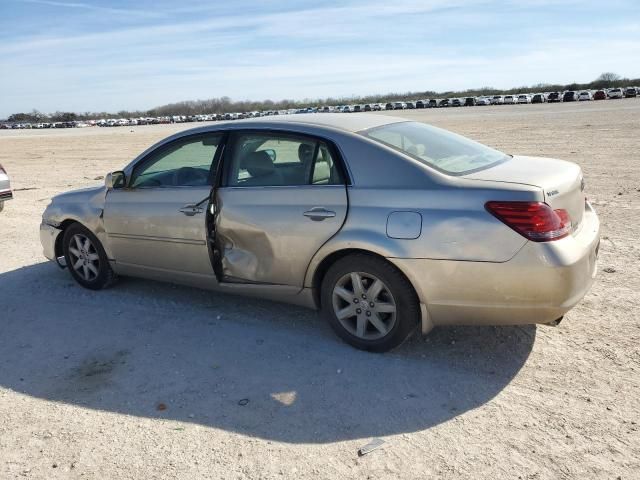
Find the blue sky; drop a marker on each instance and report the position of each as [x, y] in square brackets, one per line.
[90, 55]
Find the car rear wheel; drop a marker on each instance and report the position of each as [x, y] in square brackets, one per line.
[86, 258]
[369, 303]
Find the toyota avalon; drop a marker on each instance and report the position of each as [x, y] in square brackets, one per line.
[388, 226]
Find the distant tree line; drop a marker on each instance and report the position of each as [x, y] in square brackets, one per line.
[226, 105]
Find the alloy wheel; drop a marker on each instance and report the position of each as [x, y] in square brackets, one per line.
[84, 257]
[364, 305]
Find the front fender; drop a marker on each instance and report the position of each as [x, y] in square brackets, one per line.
[83, 206]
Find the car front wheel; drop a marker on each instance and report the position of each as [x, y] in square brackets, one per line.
[86, 258]
[369, 303]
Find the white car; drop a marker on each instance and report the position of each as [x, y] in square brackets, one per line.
[5, 188]
[524, 98]
[509, 100]
[483, 101]
[615, 93]
[399, 106]
[584, 96]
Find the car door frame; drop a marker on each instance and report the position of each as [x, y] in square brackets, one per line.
[269, 290]
[222, 179]
[165, 144]
[139, 162]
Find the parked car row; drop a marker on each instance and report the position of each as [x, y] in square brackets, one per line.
[23, 125]
[522, 98]
[126, 122]
[511, 99]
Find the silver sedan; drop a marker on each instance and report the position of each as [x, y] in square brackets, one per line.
[5, 188]
[386, 225]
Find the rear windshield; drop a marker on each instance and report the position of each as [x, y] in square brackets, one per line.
[437, 148]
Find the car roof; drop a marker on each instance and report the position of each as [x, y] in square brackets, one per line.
[341, 121]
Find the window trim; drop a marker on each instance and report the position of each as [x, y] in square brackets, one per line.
[211, 176]
[230, 144]
[314, 160]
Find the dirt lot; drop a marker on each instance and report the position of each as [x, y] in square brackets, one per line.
[82, 373]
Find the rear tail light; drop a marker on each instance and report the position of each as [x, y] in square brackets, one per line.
[535, 221]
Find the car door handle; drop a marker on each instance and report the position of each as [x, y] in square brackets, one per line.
[319, 213]
[191, 210]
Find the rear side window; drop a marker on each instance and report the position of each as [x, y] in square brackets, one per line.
[278, 159]
[440, 149]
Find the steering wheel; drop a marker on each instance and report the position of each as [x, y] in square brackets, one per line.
[190, 176]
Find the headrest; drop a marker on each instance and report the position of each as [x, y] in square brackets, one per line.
[258, 164]
[305, 152]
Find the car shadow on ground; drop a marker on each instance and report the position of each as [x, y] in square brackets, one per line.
[249, 366]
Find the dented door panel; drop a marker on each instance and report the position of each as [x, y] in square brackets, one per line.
[267, 235]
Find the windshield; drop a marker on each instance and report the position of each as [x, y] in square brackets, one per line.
[440, 149]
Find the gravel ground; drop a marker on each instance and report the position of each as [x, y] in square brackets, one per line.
[148, 380]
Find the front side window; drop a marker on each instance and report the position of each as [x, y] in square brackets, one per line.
[183, 163]
[275, 159]
[437, 148]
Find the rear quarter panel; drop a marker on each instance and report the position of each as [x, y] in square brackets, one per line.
[455, 224]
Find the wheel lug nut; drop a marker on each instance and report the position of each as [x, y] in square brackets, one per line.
[371, 304]
[368, 313]
[364, 297]
[358, 311]
[355, 300]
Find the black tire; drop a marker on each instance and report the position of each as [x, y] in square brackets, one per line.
[407, 305]
[105, 275]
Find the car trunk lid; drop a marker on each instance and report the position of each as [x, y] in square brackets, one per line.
[561, 181]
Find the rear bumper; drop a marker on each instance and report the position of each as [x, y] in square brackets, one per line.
[48, 237]
[538, 285]
[5, 195]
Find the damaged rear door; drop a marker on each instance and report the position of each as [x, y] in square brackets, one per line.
[282, 196]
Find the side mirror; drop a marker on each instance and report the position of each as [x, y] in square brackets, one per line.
[115, 180]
